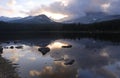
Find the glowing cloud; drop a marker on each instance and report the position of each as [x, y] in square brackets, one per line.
[54, 16]
[57, 9]
[105, 6]
[11, 2]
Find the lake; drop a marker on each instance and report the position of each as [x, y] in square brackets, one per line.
[67, 58]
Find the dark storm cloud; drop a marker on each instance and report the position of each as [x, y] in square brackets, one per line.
[75, 8]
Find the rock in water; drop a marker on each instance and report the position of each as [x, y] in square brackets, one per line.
[67, 46]
[11, 47]
[19, 47]
[1, 50]
[69, 61]
[44, 50]
[6, 47]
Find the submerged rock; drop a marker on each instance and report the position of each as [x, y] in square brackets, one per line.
[44, 50]
[67, 46]
[19, 47]
[6, 47]
[69, 61]
[59, 59]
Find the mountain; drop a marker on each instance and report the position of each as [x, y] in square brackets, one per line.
[7, 19]
[34, 20]
[93, 18]
[43, 19]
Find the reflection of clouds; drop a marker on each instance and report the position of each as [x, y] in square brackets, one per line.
[61, 63]
[113, 52]
[36, 47]
[95, 55]
[106, 73]
[55, 71]
[93, 61]
[47, 69]
[96, 73]
[66, 57]
[113, 68]
[27, 58]
[32, 58]
[91, 57]
[34, 73]
[17, 54]
[13, 55]
[7, 69]
[104, 53]
[14, 58]
[57, 45]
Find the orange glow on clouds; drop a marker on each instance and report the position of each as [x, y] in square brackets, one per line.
[56, 45]
[55, 16]
[105, 6]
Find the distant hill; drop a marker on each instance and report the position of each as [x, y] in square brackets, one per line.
[40, 19]
[93, 18]
[43, 19]
[7, 19]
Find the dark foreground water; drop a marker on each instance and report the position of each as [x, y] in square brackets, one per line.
[87, 58]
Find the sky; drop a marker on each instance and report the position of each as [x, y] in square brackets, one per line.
[57, 9]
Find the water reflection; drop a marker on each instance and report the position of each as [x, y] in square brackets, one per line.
[7, 69]
[92, 58]
[58, 70]
[57, 45]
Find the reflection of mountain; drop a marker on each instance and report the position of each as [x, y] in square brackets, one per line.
[93, 59]
[7, 69]
[38, 42]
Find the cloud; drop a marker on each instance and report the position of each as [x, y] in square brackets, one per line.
[114, 7]
[5, 11]
[61, 8]
[11, 12]
[55, 71]
[78, 8]
[11, 2]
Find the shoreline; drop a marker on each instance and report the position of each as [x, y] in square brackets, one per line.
[111, 36]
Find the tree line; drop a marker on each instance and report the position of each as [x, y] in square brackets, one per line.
[113, 25]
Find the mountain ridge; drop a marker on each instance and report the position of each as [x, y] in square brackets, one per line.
[34, 20]
[43, 19]
[93, 18]
[8, 19]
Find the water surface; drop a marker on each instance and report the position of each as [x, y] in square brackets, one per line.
[92, 59]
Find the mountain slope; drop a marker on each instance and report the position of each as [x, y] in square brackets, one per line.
[93, 17]
[34, 20]
[7, 19]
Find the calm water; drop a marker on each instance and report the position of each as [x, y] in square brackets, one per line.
[92, 59]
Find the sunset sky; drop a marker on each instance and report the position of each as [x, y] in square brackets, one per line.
[57, 9]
